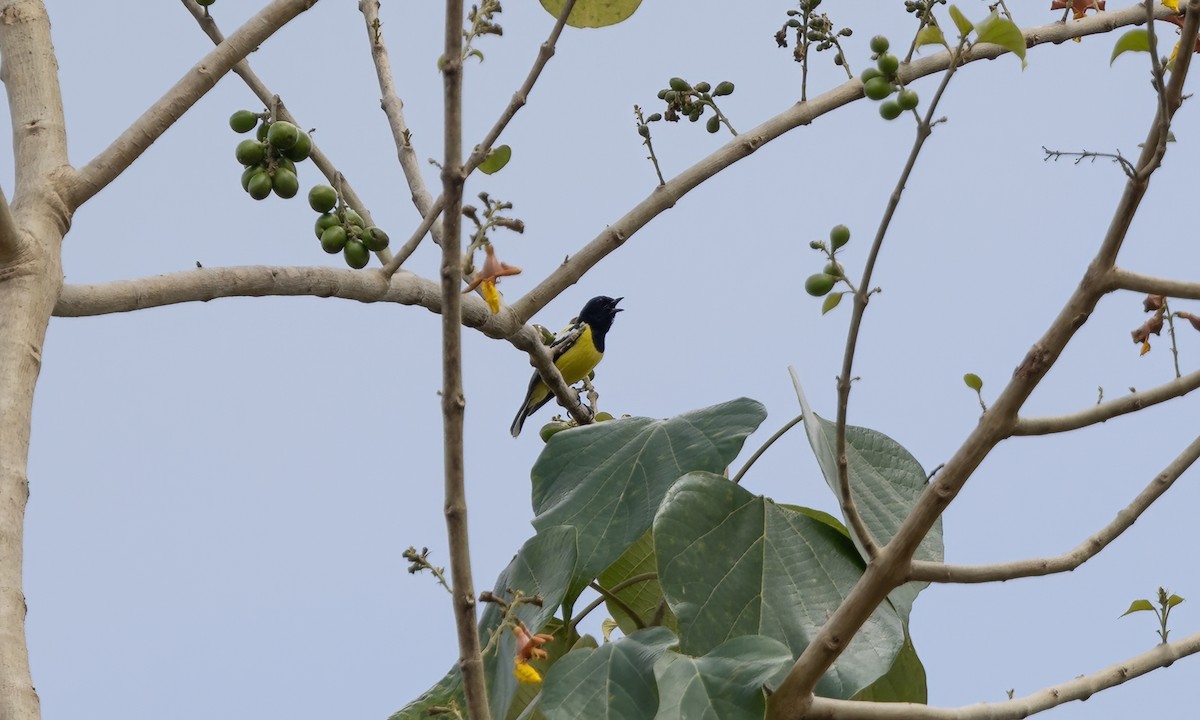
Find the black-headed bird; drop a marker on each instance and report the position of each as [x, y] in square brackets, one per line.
[576, 350]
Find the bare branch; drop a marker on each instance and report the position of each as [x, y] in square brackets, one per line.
[1086, 550]
[1119, 279]
[1106, 411]
[270, 99]
[1080, 688]
[118, 156]
[665, 196]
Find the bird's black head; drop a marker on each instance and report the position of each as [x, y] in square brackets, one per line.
[599, 313]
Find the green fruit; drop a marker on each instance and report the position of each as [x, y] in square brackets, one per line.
[205, 3]
[284, 163]
[602, 416]
[713, 125]
[356, 254]
[243, 121]
[283, 134]
[249, 173]
[262, 130]
[679, 84]
[322, 198]
[888, 64]
[333, 239]
[723, 88]
[877, 88]
[879, 44]
[890, 110]
[301, 150]
[551, 429]
[819, 285]
[250, 152]
[325, 222]
[834, 269]
[703, 87]
[375, 239]
[839, 236]
[907, 99]
[259, 185]
[353, 218]
[285, 183]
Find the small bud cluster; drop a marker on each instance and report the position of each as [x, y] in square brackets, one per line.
[812, 30]
[686, 100]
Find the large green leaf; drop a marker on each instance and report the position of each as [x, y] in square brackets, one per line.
[594, 13]
[734, 564]
[608, 479]
[615, 681]
[886, 481]
[543, 566]
[642, 597]
[725, 684]
[905, 682]
[1003, 32]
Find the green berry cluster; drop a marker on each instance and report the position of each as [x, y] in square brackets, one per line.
[341, 229]
[820, 284]
[879, 82]
[269, 161]
[686, 100]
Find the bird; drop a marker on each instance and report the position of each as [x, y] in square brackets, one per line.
[577, 349]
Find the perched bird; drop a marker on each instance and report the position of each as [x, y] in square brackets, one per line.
[576, 350]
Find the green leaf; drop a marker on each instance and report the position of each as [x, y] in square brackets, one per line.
[961, 22]
[1132, 41]
[615, 681]
[886, 481]
[931, 35]
[973, 381]
[831, 301]
[734, 564]
[496, 160]
[643, 597]
[556, 649]
[1138, 606]
[448, 689]
[594, 13]
[607, 479]
[1003, 32]
[725, 684]
[905, 682]
[1173, 601]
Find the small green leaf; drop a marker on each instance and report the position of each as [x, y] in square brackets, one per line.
[594, 13]
[1132, 41]
[931, 35]
[1138, 606]
[1003, 32]
[496, 160]
[831, 301]
[973, 381]
[1173, 601]
[961, 22]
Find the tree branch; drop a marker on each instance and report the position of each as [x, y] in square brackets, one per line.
[1080, 688]
[10, 234]
[1119, 279]
[1106, 411]
[1086, 550]
[794, 697]
[118, 156]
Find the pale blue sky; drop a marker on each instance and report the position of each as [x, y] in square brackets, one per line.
[221, 492]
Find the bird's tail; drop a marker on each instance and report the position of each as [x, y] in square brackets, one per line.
[519, 422]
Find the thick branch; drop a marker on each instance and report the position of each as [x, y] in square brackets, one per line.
[10, 234]
[1080, 688]
[1089, 548]
[1119, 279]
[1106, 411]
[118, 156]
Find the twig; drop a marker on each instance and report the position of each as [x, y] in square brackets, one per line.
[1080, 688]
[1082, 155]
[119, 155]
[770, 441]
[1102, 412]
[1120, 279]
[1089, 548]
[611, 596]
[470, 659]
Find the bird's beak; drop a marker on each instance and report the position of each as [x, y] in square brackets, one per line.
[615, 308]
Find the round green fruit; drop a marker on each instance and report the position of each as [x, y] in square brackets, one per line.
[259, 185]
[890, 110]
[243, 121]
[283, 134]
[261, 133]
[907, 99]
[879, 44]
[888, 64]
[284, 163]
[839, 236]
[325, 222]
[819, 285]
[551, 429]
[869, 73]
[285, 183]
[250, 152]
[301, 150]
[603, 416]
[353, 218]
[834, 269]
[375, 239]
[713, 125]
[249, 173]
[333, 239]
[877, 88]
[356, 254]
[322, 198]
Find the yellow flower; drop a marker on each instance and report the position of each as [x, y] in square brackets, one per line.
[488, 276]
[1173, 4]
[525, 673]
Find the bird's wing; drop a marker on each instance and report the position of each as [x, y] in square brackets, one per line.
[566, 338]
